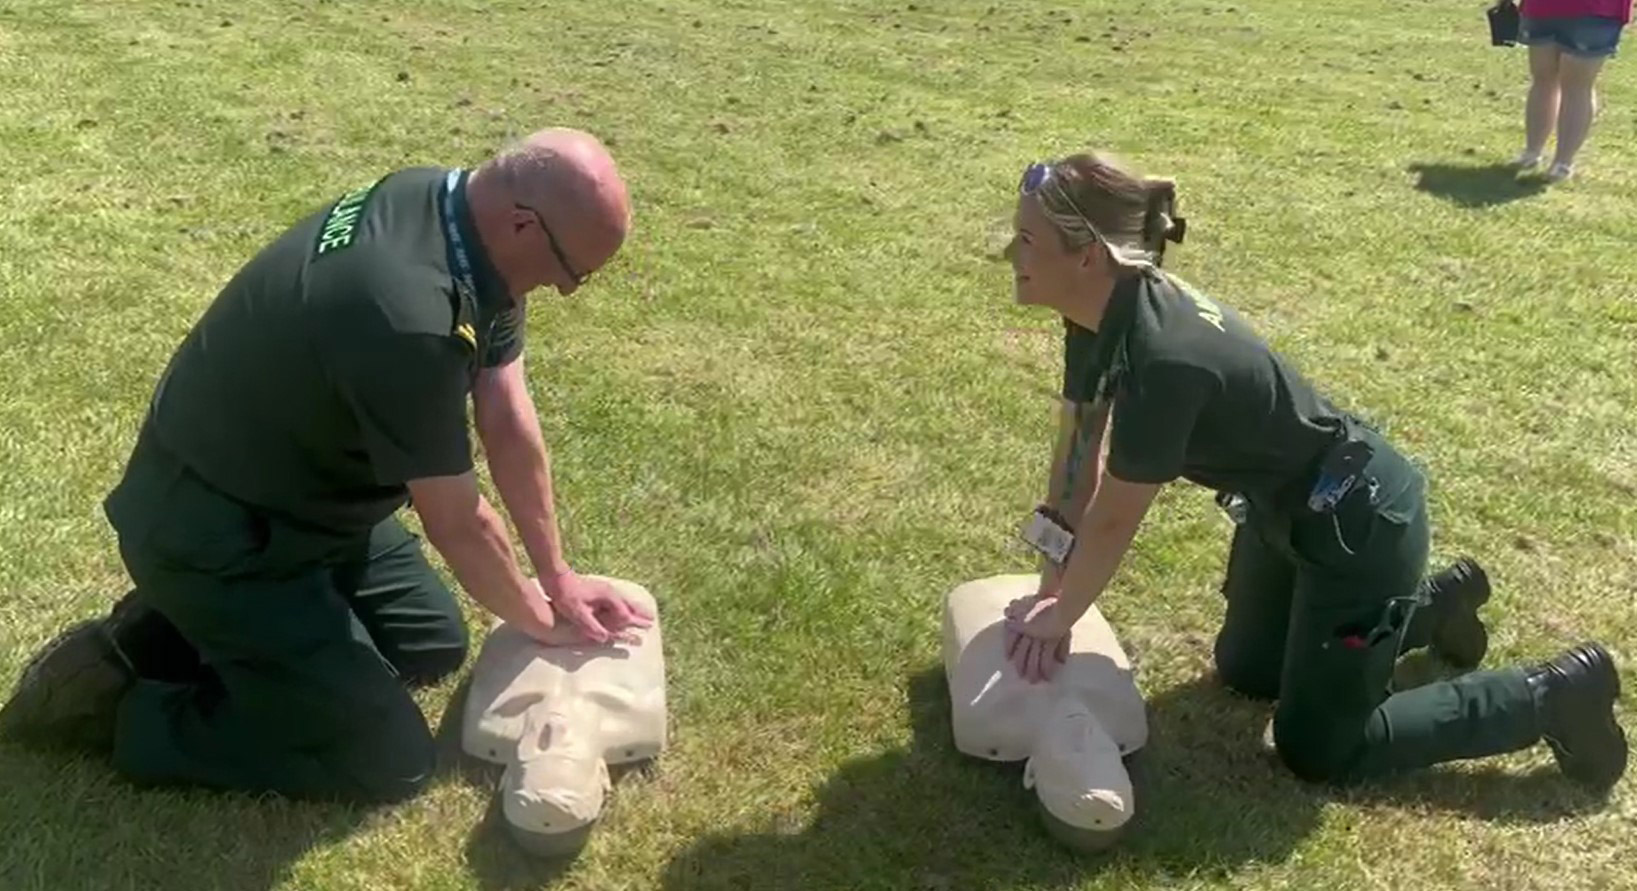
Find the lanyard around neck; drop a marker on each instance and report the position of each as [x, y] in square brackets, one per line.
[460, 265]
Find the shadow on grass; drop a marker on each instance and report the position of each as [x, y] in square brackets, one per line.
[1475, 186]
[499, 864]
[1492, 794]
[73, 823]
[931, 818]
[1209, 801]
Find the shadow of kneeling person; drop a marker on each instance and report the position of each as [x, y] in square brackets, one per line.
[74, 823]
[1475, 186]
[929, 817]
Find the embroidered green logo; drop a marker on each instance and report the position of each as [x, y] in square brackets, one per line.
[341, 223]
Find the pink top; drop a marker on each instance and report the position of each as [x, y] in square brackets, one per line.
[1619, 10]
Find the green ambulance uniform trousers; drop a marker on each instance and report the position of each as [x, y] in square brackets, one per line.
[275, 657]
[1319, 608]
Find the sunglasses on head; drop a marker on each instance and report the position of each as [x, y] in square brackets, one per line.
[1041, 174]
[556, 251]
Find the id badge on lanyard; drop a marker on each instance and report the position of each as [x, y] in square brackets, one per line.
[1047, 532]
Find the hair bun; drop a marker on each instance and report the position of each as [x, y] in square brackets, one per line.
[1160, 222]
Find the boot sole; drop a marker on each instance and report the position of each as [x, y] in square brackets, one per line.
[1462, 640]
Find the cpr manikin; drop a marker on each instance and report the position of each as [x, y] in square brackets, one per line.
[1072, 731]
[557, 717]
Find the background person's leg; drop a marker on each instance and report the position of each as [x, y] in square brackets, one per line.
[1541, 108]
[1578, 79]
[409, 612]
[1258, 586]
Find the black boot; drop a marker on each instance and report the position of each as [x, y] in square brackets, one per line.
[1575, 695]
[151, 644]
[1448, 619]
[69, 692]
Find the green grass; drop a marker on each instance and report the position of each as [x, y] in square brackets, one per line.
[800, 407]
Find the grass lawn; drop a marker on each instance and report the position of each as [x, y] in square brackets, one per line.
[800, 407]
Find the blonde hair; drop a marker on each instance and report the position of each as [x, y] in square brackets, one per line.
[1131, 214]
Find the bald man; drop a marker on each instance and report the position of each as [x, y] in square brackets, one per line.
[280, 608]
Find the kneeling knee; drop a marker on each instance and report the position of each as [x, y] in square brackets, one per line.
[1316, 757]
[433, 654]
[1247, 673]
[391, 765]
[433, 664]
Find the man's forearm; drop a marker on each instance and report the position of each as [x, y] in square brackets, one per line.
[521, 469]
[480, 555]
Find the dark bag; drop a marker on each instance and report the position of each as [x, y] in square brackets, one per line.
[1503, 23]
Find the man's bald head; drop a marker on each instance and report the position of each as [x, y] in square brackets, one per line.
[561, 179]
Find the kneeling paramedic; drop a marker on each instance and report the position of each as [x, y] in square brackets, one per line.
[1324, 585]
[280, 609]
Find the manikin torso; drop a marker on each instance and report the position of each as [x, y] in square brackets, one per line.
[557, 717]
[1073, 730]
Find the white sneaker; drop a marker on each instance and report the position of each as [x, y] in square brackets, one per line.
[1526, 161]
[1559, 172]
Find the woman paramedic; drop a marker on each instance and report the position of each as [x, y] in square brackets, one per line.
[1325, 583]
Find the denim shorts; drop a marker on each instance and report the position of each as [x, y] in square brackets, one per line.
[1588, 36]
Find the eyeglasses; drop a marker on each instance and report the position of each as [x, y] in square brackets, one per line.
[1040, 174]
[578, 278]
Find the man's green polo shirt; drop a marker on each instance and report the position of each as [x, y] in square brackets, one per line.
[336, 365]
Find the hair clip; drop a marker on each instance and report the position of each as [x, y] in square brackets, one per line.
[1178, 228]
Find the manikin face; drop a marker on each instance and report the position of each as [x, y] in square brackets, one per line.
[1077, 772]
